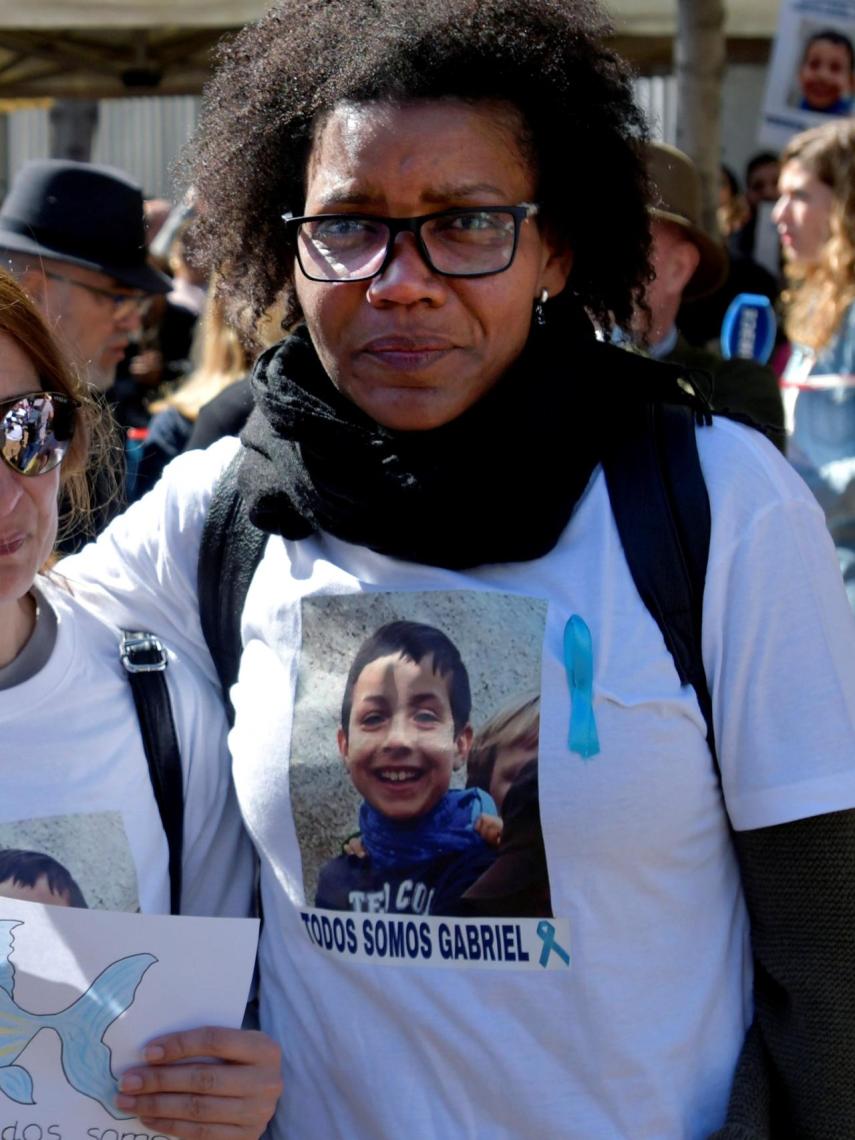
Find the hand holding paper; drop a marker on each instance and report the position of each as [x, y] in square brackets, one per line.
[234, 1098]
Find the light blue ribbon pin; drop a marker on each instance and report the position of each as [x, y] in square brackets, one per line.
[579, 664]
[546, 933]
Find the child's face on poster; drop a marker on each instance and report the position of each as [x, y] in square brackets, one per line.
[401, 746]
[825, 74]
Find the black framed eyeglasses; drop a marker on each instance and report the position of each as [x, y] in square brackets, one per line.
[35, 431]
[467, 241]
[124, 304]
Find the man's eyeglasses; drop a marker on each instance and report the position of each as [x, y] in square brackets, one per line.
[35, 431]
[124, 304]
[469, 241]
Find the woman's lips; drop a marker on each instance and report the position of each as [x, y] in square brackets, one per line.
[406, 353]
[11, 543]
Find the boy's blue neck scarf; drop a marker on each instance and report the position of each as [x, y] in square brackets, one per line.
[446, 828]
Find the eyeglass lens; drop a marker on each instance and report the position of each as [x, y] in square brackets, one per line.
[128, 306]
[342, 247]
[35, 432]
[124, 304]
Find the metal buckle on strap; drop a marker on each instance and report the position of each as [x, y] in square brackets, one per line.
[142, 652]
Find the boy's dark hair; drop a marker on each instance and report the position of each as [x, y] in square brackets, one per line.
[26, 868]
[832, 36]
[279, 78]
[762, 158]
[414, 641]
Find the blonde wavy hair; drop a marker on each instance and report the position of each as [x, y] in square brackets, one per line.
[220, 360]
[819, 293]
[515, 725]
[21, 321]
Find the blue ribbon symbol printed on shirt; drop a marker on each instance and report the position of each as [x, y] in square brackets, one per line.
[579, 666]
[551, 945]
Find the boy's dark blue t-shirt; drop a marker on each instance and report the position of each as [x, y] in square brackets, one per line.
[420, 866]
[432, 886]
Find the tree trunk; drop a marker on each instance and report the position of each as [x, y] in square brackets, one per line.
[699, 57]
[73, 123]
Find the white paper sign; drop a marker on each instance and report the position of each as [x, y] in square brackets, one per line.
[810, 76]
[82, 991]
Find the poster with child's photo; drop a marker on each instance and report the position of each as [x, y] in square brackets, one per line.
[812, 73]
[414, 754]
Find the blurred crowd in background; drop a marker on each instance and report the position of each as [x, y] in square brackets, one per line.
[173, 372]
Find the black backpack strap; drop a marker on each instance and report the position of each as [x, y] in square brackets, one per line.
[229, 554]
[144, 659]
[661, 508]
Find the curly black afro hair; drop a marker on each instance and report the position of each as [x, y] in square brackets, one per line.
[278, 78]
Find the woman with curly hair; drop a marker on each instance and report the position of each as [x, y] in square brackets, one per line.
[815, 216]
[448, 195]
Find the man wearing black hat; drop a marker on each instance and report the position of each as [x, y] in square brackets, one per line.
[73, 235]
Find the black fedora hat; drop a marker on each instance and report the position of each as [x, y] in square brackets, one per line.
[83, 214]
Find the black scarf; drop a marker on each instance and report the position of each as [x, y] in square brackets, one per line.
[498, 484]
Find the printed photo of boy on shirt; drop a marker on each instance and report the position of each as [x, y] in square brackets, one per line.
[405, 729]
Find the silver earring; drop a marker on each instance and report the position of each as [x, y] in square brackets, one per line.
[539, 311]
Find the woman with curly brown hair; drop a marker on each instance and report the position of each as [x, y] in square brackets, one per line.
[815, 216]
[447, 194]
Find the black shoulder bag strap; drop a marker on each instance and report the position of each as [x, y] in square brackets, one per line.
[229, 554]
[144, 659]
[661, 508]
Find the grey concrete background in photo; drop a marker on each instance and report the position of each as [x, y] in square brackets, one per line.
[93, 848]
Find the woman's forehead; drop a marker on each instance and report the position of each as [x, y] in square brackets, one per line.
[441, 149]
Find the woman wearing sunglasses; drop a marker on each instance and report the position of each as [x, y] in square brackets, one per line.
[75, 783]
[446, 193]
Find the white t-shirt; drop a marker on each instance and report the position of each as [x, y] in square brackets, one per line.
[76, 784]
[635, 1035]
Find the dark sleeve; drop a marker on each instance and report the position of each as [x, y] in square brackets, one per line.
[752, 389]
[795, 1079]
[167, 434]
[225, 415]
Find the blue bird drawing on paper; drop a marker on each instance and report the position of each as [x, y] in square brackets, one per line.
[86, 1060]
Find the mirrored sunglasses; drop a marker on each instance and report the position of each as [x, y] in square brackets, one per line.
[35, 431]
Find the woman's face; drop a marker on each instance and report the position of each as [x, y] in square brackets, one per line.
[802, 213]
[28, 504]
[411, 348]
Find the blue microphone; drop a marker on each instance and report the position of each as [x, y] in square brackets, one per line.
[749, 327]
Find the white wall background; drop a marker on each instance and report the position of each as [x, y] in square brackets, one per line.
[742, 100]
[144, 136]
[141, 136]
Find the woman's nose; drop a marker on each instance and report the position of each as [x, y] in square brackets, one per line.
[11, 489]
[407, 278]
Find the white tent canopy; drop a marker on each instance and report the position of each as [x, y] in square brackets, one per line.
[633, 17]
[101, 48]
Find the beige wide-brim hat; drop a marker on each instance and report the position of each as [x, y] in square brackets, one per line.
[677, 199]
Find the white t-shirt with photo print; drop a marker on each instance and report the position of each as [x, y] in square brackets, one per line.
[76, 784]
[637, 1039]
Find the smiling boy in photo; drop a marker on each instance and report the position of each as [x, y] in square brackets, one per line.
[827, 73]
[404, 730]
